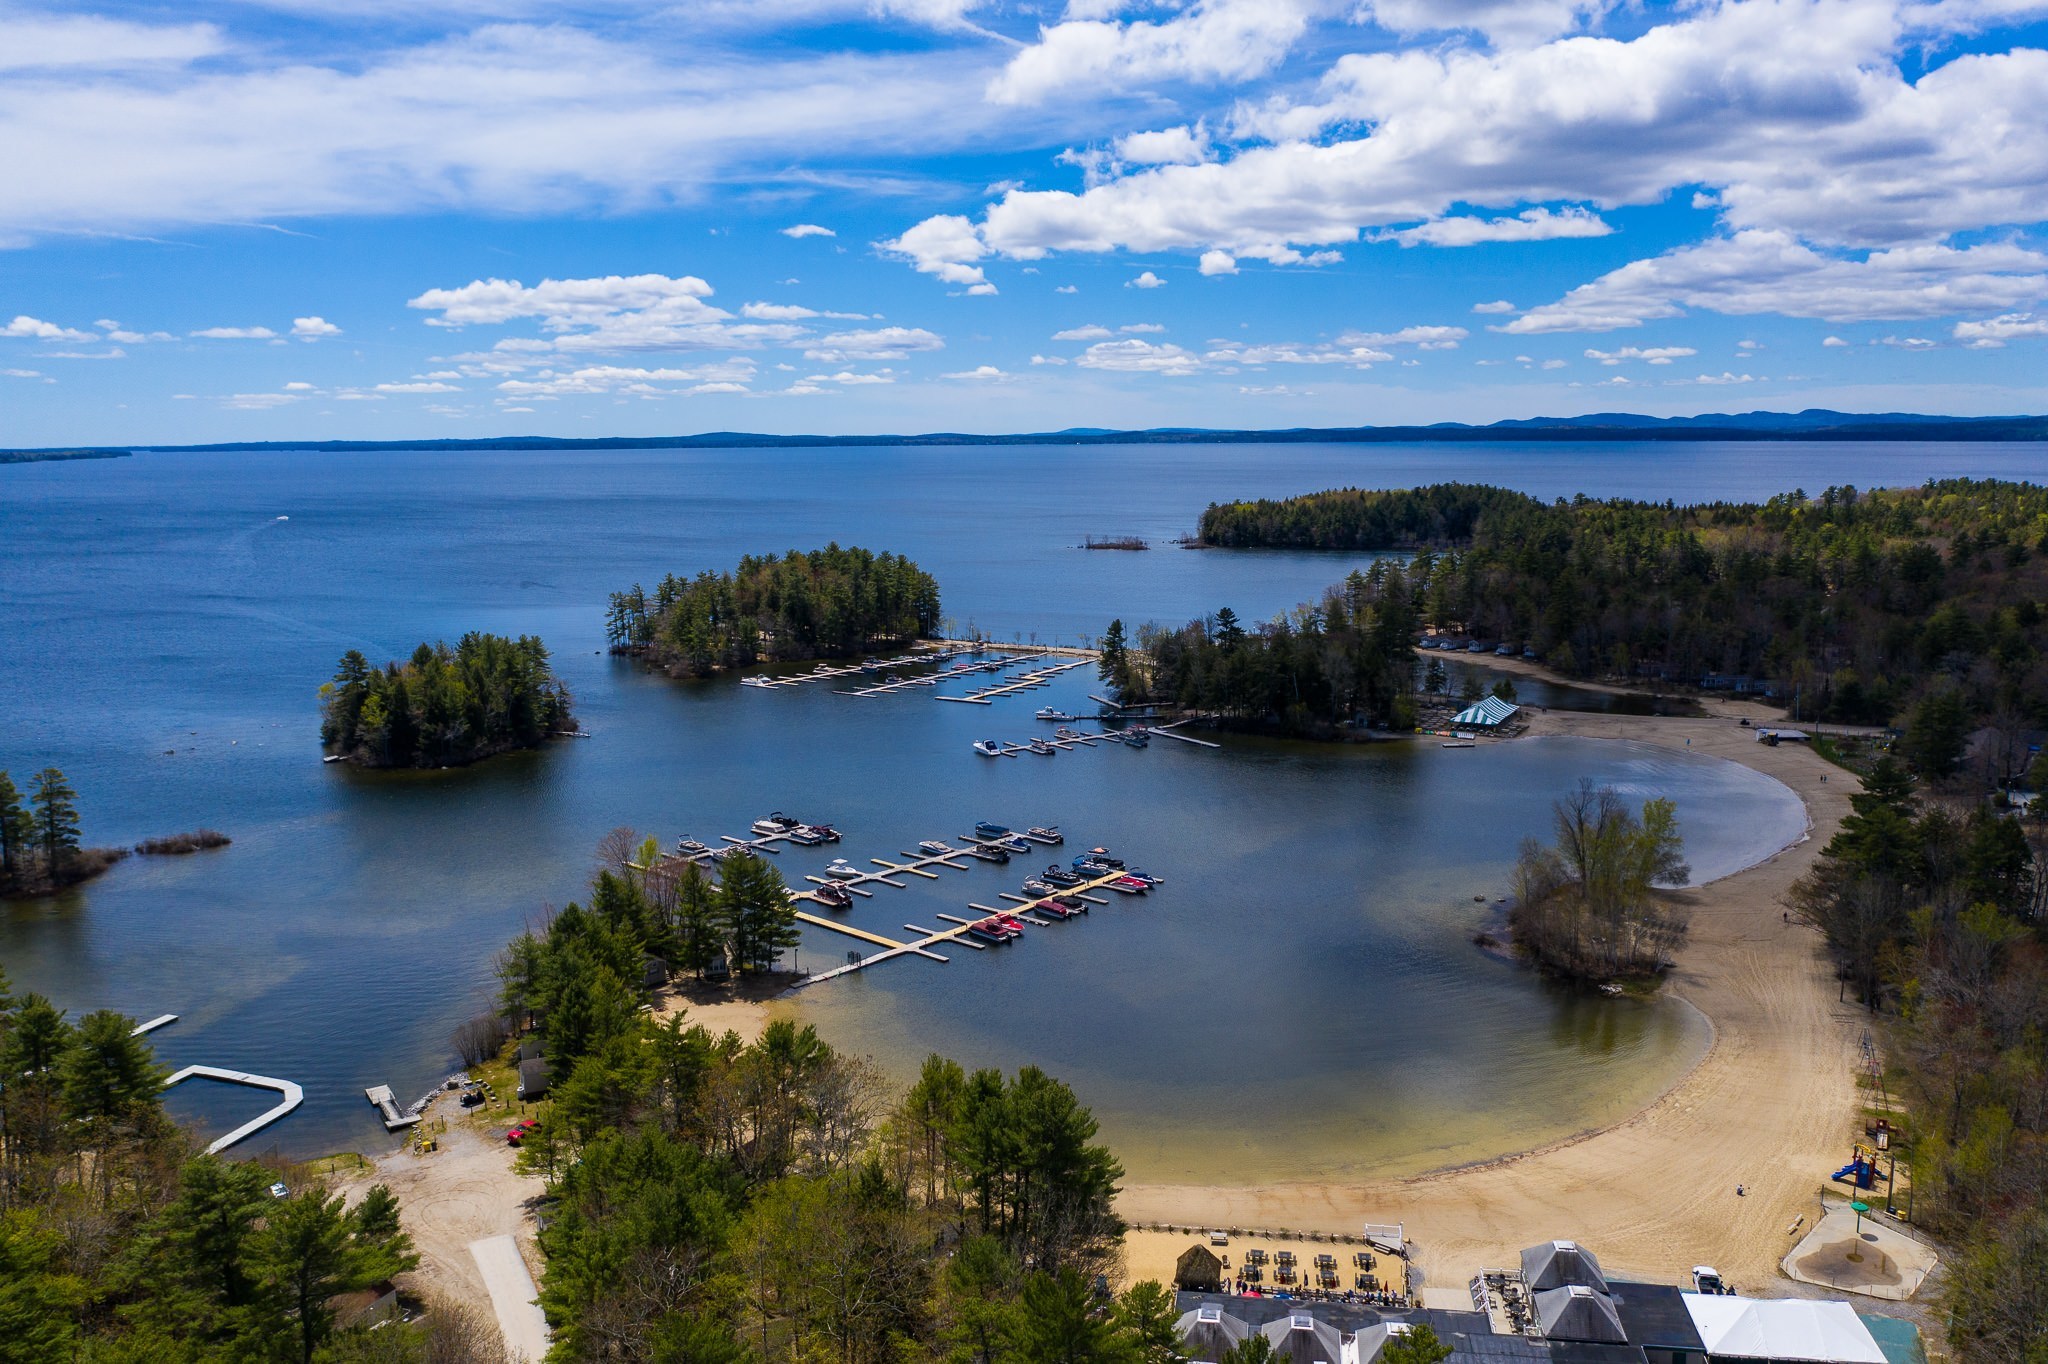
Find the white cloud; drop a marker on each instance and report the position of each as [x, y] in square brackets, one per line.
[1553, 364]
[313, 328]
[1749, 345]
[792, 312]
[1140, 357]
[36, 329]
[1218, 263]
[612, 313]
[419, 386]
[1997, 331]
[1141, 327]
[800, 230]
[1424, 338]
[1211, 42]
[1724, 377]
[850, 379]
[1066, 289]
[1184, 145]
[875, 343]
[1827, 142]
[1531, 225]
[1834, 341]
[1148, 280]
[1655, 355]
[1499, 305]
[22, 373]
[235, 334]
[84, 42]
[1506, 22]
[259, 402]
[981, 374]
[298, 386]
[1357, 354]
[1906, 342]
[1771, 272]
[1092, 332]
[945, 246]
[1048, 360]
[722, 377]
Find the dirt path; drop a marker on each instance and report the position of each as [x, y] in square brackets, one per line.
[465, 1191]
[1771, 1106]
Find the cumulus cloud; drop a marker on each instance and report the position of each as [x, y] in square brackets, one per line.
[874, 343]
[1424, 338]
[419, 386]
[313, 328]
[1148, 280]
[611, 313]
[723, 377]
[944, 246]
[34, 328]
[1180, 146]
[1773, 272]
[981, 374]
[1140, 357]
[1725, 377]
[1654, 355]
[807, 230]
[1092, 332]
[235, 334]
[1211, 42]
[1828, 143]
[1990, 335]
[86, 42]
[1906, 342]
[1218, 263]
[1834, 341]
[1530, 225]
[1499, 305]
[792, 312]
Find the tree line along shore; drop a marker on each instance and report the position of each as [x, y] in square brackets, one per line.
[1920, 607]
[42, 848]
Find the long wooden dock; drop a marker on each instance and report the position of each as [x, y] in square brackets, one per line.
[827, 674]
[293, 1097]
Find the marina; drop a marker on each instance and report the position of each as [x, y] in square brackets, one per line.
[825, 672]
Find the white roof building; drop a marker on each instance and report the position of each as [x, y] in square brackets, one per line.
[1787, 1329]
[1486, 712]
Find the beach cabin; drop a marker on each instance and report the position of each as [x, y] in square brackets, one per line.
[533, 1079]
[1488, 712]
[1209, 1333]
[1198, 1270]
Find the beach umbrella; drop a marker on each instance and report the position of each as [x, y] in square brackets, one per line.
[1859, 1207]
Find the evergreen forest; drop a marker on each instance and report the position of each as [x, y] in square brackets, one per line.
[1863, 605]
[443, 707]
[828, 603]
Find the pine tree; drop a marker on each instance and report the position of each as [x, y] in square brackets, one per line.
[56, 819]
[17, 830]
[697, 920]
[755, 909]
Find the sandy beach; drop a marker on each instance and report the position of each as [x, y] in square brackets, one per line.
[1771, 1106]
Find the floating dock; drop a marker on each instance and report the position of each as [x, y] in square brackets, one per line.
[293, 1097]
[394, 1118]
[1037, 677]
[160, 1021]
[850, 669]
[956, 934]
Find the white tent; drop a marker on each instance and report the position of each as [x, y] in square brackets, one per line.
[1781, 1329]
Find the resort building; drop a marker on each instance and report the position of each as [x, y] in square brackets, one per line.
[1559, 1307]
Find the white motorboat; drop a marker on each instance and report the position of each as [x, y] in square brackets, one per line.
[989, 748]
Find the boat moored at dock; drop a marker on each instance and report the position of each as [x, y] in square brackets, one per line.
[987, 830]
[832, 894]
[1045, 833]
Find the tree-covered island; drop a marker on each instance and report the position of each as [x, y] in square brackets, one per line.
[443, 707]
[828, 603]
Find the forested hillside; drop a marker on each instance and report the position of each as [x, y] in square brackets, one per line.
[829, 603]
[443, 706]
[1863, 604]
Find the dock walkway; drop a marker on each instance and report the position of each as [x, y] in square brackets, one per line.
[1037, 677]
[293, 1097]
[387, 1104]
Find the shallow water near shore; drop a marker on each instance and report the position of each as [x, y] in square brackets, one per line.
[1301, 998]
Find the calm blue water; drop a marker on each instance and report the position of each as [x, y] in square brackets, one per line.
[162, 634]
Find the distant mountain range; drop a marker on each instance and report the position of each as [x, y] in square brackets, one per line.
[1812, 424]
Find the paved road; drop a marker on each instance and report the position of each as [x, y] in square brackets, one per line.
[512, 1297]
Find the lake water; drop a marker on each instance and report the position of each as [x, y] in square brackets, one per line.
[1306, 969]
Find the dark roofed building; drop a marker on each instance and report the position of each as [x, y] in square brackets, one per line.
[1576, 1312]
[1299, 1338]
[1198, 1270]
[1656, 1319]
[1208, 1333]
[1560, 1264]
[533, 1079]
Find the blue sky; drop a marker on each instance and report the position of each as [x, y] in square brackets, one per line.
[310, 219]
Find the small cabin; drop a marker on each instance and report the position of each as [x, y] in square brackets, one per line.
[533, 1079]
[1198, 1270]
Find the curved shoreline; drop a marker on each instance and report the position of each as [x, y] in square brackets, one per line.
[1765, 1106]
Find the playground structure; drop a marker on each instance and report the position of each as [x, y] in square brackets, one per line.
[1861, 1172]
